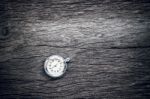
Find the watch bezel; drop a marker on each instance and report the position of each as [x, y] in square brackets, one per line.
[47, 61]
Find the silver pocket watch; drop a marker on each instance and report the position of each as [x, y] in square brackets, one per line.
[55, 66]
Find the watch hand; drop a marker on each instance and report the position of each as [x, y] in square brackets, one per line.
[53, 66]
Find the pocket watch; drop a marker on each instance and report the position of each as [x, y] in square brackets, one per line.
[55, 66]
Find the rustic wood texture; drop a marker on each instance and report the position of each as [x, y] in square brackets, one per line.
[108, 41]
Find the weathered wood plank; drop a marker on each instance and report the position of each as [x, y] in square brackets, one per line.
[108, 41]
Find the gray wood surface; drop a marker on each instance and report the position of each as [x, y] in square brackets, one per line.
[108, 41]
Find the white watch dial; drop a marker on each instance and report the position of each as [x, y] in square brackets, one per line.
[55, 66]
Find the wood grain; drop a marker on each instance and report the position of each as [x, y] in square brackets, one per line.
[108, 41]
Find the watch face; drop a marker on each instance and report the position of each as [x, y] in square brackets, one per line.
[55, 66]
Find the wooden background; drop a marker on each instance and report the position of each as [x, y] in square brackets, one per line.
[108, 41]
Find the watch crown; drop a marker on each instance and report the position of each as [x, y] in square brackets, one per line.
[67, 60]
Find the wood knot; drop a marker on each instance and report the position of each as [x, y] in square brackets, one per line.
[4, 33]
